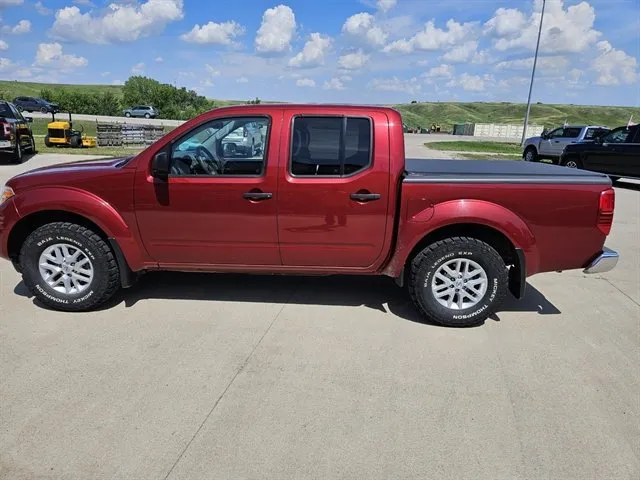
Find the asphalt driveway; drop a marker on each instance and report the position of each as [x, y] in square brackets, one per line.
[251, 377]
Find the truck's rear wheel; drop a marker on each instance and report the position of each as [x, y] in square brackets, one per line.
[530, 155]
[458, 282]
[69, 267]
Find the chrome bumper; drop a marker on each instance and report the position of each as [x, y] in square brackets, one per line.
[605, 262]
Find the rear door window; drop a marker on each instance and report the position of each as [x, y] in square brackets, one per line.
[330, 146]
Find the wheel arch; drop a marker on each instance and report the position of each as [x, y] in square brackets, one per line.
[27, 224]
[512, 255]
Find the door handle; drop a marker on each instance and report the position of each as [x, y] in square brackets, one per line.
[257, 196]
[365, 197]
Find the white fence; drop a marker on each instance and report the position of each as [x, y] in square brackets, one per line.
[505, 131]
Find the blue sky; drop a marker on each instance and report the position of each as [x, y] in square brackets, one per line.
[365, 51]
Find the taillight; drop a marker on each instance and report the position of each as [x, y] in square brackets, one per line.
[606, 206]
[6, 128]
[245, 132]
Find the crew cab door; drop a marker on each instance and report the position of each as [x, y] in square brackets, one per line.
[216, 207]
[334, 190]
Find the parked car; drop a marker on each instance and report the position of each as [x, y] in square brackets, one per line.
[550, 145]
[326, 197]
[34, 104]
[16, 136]
[616, 153]
[142, 111]
[246, 140]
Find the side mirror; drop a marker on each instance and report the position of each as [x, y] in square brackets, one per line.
[160, 166]
[29, 119]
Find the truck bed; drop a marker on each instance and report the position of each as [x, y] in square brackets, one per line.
[496, 171]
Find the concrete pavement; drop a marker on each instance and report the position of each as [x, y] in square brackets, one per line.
[230, 376]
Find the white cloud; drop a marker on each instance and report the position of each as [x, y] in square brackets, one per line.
[42, 9]
[575, 74]
[313, 53]
[105, 74]
[138, 69]
[242, 80]
[23, 26]
[10, 3]
[507, 83]
[5, 64]
[346, 78]
[211, 70]
[441, 71]
[353, 61]
[432, 38]
[471, 83]
[385, 5]
[556, 63]
[614, 67]
[4, 45]
[117, 82]
[305, 82]
[461, 53]
[567, 30]
[119, 23]
[51, 55]
[363, 26]
[214, 33]
[276, 31]
[207, 83]
[411, 86]
[333, 84]
[159, 60]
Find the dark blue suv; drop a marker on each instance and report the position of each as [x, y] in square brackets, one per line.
[33, 104]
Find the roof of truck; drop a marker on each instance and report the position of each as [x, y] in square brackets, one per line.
[295, 106]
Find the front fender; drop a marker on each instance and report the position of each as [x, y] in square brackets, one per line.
[415, 228]
[87, 205]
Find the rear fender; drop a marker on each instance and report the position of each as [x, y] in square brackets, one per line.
[87, 205]
[419, 225]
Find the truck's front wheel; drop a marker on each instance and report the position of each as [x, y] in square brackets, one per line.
[69, 267]
[458, 282]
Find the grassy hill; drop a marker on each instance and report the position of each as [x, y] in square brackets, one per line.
[446, 114]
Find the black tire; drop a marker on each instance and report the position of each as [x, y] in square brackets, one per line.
[47, 142]
[20, 108]
[571, 162]
[128, 115]
[106, 277]
[530, 155]
[33, 146]
[75, 141]
[147, 116]
[426, 265]
[18, 155]
[44, 110]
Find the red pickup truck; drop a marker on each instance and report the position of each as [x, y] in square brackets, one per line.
[304, 189]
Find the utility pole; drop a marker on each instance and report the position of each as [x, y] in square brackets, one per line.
[533, 74]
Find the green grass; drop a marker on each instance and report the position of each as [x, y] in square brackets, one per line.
[105, 151]
[14, 88]
[447, 114]
[489, 147]
[488, 156]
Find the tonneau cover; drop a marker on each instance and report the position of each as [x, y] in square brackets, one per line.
[495, 171]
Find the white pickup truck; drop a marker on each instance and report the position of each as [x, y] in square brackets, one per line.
[550, 145]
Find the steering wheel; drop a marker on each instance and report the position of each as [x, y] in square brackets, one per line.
[208, 161]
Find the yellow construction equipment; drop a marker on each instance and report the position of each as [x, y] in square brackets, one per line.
[61, 134]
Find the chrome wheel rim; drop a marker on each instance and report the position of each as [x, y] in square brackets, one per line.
[571, 164]
[66, 269]
[459, 284]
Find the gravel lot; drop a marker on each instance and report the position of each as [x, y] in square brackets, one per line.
[230, 376]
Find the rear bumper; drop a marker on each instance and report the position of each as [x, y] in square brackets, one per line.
[604, 262]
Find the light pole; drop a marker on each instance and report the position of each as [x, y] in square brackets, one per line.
[533, 74]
